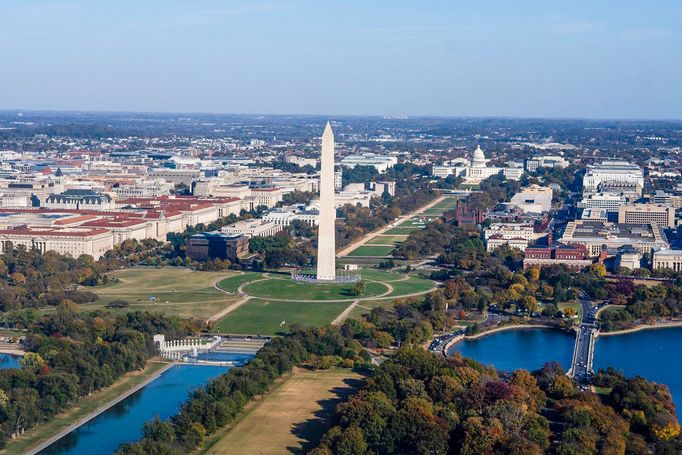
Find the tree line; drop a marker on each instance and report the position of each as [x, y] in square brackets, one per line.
[70, 355]
[418, 403]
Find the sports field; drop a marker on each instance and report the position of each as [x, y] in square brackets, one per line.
[386, 240]
[372, 250]
[170, 290]
[265, 317]
[291, 418]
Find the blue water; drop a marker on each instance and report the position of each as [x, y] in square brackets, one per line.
[224, 357]
[529, 349]
[653, 354]
[123, 422]
[9, 361]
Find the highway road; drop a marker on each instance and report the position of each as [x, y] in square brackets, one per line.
[583, 353]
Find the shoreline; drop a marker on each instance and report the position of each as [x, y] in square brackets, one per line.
[18, 352]
[74, 426]
[641, 327]
[457, 339]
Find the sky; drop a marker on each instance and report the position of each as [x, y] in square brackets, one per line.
[521, 58]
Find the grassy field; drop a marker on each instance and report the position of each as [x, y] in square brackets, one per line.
[402, 229]
[381, 275]
[412, 285]
[83, 407]
[232, 283]
[170, 290]
[366, 306]
[441, 207]
[386, 240]
[292, 290]
[575, 305]
[291, 418]
[372, 250]
[263, 317]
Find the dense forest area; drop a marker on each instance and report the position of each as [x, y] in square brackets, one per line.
[417, 403]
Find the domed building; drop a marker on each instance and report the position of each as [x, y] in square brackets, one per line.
[479, 158]
[476, 170]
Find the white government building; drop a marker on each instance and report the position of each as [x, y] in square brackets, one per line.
[476, 170]
[612, 171]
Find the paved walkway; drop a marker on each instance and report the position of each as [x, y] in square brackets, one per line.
[48, 442]
[401, 220]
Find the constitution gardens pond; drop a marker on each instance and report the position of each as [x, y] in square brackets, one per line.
[123, 422]
[653, 354]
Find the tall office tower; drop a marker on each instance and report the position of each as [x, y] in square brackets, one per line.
[326, 243]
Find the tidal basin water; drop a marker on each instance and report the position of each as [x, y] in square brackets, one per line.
[653, 354]
[9, 361]
[123, 422]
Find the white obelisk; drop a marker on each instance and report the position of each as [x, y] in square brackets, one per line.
[326, 243]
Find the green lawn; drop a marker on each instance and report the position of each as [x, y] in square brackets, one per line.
[381, 275]
[365, 307]
[263, 317]
[232, 283]
[386, 240]
[412, 285]
[372, 250]
[575, 305]
[441, 207]
[403, 229]
[170, 290]
[292, 290]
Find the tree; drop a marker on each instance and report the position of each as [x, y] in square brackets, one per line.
[570, 312]
[32, 361]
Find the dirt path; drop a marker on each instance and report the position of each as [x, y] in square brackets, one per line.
[227, 310]
[338, 320]
[380, 231]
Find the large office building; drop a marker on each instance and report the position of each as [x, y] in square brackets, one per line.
[252, 228]
[80, 200]
[572, 256]
[212, 245]
[596, 236]
[668, 259]
[73, 241]
[612, 171]
[284, 216]
[379, 162]
[660, 214]
[550, 161]
[606, 201]
[534, 199]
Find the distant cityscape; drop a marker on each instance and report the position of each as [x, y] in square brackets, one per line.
[135, 176]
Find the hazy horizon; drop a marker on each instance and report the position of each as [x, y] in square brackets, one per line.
[616, 60]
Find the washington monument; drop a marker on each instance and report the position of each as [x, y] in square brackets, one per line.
[326, 241]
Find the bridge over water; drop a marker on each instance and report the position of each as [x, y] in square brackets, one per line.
[582, 362]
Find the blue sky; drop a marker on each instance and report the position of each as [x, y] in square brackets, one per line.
[523, 58]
